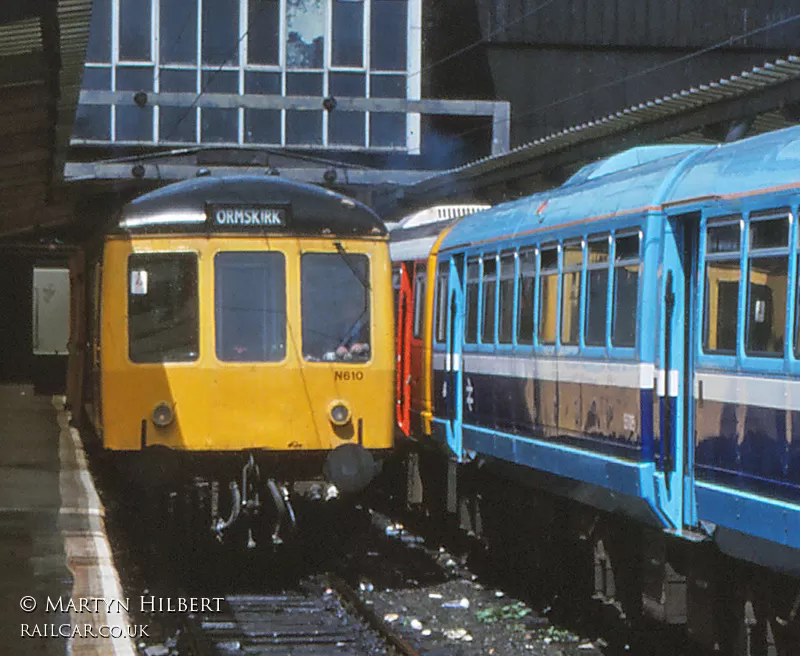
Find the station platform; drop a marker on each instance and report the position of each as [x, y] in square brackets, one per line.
[56, 565]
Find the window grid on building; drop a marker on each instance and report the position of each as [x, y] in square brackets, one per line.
[316, 48]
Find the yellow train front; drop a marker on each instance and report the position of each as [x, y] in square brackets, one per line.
[243, 345]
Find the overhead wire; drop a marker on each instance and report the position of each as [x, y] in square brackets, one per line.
[729, 41]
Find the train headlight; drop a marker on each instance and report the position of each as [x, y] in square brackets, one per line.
[339, 413]
[163, 415]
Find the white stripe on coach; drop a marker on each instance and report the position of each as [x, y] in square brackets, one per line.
[776, 393]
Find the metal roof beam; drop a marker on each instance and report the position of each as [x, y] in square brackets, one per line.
[314, 175]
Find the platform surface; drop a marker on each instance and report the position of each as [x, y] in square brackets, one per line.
[53, 548]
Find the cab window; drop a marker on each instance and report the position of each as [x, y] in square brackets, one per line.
[250, 306]
[163, 314]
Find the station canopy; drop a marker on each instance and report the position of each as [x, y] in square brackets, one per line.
[42, 53]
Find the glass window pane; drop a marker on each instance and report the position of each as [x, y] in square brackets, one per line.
[442, 282]
[627, 248]
[336, 307]
[489, 305]
[263, 22]
[92, 122]
[349, 85]
[134, 123]
[262, 126]
[596, 306]
[177, 124]
[348, 32]
[96, 78]
[250, 306]
[723, 238]
[99, 46]
[766, 301]
[387, 86]
[216, 81]
[570, 302]
[163, 307]
[548, 312]
[346, 128]
[527, 271]
[135, 78]
[573, 255]
[773, 233]
[178, 32]
[268, 84]
[598, 251]
[505, 330]
[303, 84]
[471, 325]
[626, 288]
[389, 19]
[419, 291]
[219, 125]
[134, 30]
[177, 81]
[220, 32]
[303, 128]
[387, 129]
[721, 303]
[305, 29]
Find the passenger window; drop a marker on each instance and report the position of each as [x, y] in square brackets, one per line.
[626, 290]
[420, 287]
[548, 296]
[722, 277]
[396, 277]
[767, 277]
[489, 298]
[163, 316]
[527, 277]
[473, 286]
[441, 302]
[571, 293]
[506, 329]
[597, 291]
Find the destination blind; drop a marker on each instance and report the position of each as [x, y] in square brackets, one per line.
[244, 217]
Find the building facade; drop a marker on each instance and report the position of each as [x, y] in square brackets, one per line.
[184, 62]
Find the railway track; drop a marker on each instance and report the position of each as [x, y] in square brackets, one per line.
[325, 617]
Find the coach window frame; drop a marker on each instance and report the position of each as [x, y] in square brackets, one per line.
[534, 253]
[420, 285]
[551, 270]
[504, 276]
[772, 361]
[625, 350]
[572, 347]
[596, 238]
[488, 342]
[472, 259]
[441, 311]
[193, 356]
[720, 217]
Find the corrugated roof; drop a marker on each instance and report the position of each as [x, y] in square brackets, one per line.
[42, 53]
[758, 94]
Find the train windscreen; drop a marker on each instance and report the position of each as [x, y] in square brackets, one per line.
[336, 307]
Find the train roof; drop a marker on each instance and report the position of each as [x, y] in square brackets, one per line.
[413, 237]
[641, 180]
[248, 204]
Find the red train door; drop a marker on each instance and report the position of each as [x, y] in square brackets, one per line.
[403, 345]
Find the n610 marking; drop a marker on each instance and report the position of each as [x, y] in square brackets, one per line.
[348, 375]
